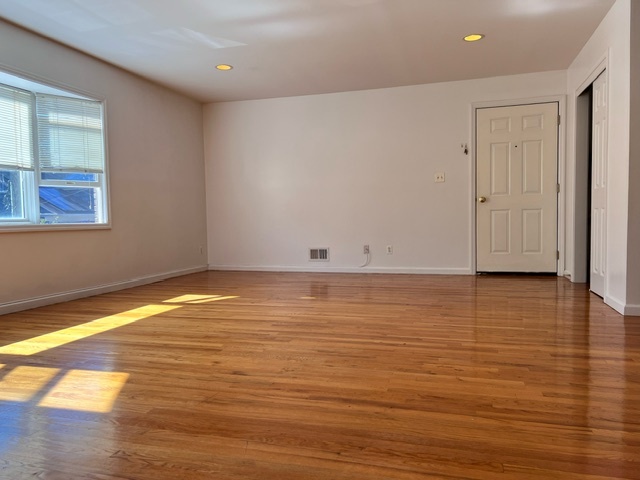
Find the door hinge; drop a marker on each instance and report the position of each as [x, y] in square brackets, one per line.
[559, 119]
[558, 188]
[557, 254]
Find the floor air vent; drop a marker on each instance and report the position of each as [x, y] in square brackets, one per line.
[318, 254]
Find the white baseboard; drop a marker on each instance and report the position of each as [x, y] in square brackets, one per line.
[317, 269]
[632, 310]
[614, 303]
[35, 302]
[623, 308]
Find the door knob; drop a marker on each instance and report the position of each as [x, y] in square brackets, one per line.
[482, 199]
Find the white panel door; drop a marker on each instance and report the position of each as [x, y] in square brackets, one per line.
[516, 183]
[599, 162]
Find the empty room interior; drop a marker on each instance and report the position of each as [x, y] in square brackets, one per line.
[320, 239]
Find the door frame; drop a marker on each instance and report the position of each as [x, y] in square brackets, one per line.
[561, 100]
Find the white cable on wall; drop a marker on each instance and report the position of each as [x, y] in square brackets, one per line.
[367, 261]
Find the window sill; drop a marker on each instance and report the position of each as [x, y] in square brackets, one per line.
[16, 228]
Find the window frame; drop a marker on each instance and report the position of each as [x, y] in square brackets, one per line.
[31, 202]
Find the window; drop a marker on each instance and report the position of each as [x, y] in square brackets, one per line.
[52, 157]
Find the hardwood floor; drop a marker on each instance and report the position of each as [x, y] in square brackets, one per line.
[228, 375]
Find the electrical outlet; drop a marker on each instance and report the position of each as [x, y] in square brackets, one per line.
[439, 177]
[389, 249]
[366, 250]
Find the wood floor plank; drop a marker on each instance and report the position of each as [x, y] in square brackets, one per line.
[244, 375]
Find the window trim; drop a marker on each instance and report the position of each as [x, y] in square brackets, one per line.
[27, 225]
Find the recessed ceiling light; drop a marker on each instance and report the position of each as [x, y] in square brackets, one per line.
[474, 37]
[224, 67]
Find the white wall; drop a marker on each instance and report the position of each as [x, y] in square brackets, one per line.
[156, 181]
[610, 41]
[633, 246]
[348, 169]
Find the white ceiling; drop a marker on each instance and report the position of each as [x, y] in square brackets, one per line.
[299, 47]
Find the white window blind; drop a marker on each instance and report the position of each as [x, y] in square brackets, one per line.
[70, 134]
[15, 129]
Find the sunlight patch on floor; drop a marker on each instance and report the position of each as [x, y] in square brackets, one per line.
[22, 383]
[72, 334]
[79, 390]
[86, 391]
[196, 299]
